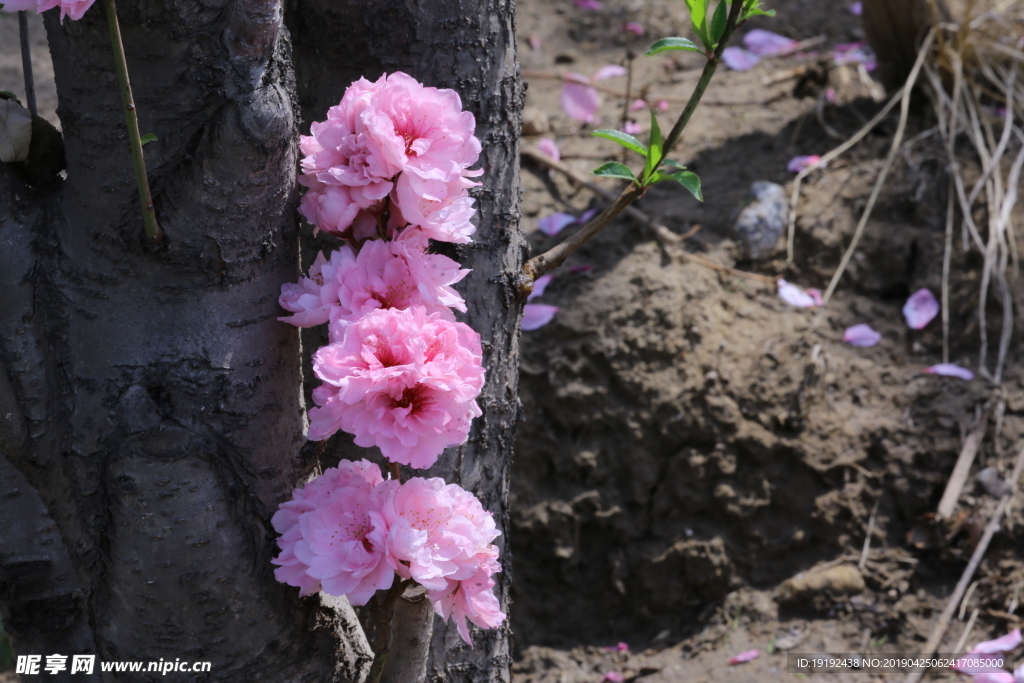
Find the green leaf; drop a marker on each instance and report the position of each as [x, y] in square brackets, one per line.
[752, 8]
[654, 153]
[673, 164]
[148, 137]
[614, 170]
[666, 44]
[690, 181]
[624, 139]
[699, 18]
[718, 22]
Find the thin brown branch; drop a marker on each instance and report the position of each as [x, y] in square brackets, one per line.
[662, 233]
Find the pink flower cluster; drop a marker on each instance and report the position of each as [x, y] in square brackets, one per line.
[349, 532]
[392, 155]
[389, 171]
[68, 8]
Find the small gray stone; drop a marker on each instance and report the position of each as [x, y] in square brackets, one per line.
[535, 121]
[993, 484]
[762, 221]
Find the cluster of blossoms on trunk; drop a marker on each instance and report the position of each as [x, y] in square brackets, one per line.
[68, 8]
[387, 172]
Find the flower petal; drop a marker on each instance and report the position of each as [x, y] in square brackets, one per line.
[745, 657]
[861, 335]
[920, 309]
[1005, 644]
[548, 146]
[951, 370]
[536, 316]
[610, 71]
[795, 296]
[580, 101]
[539, 285]
[738, 59]
[634, 28]
[555, 223]
[766, 43]
[591, 5]
[857, 8]
[798, 164]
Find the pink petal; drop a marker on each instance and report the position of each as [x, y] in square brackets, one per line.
[816, 297]
[738, 59]
[587, 215]
[537, 315]
[857, 9]
[539, 285]
[610, 71]
[951, 370]
[632, 127]
[855, 53]
[795, 296]
[579, 101]
[1012, 639]
[622, 647]
[744, 657]
[662, 105]
[638, 105]
[583, 268]
[797, 164]
[920, 309]
[613, 677]
[766, 43]
[587, 4]
[634, 28]
[548, 146]
[534, 43]
[555, 223]
[861, 335]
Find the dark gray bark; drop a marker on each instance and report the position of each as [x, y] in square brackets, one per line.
[469, 46]
[150, 403]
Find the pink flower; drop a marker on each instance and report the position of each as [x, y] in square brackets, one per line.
[637, 105]
[634, 28]
[920, 309]
[68, 8]
[534, 43]
[795, 296]
[662, 105]
[738, 59]
[950, 370]
[632, 127]
[798, 164]
[861, 335]
[401, 380]
[579, 100]
[394, 127]
[471, 599]
[396, 274]
[437, 532]
[767, 44]
[536, 316]
[547, 146]
[613, 677]
[857, 8]
[327, 538]
[743, 657]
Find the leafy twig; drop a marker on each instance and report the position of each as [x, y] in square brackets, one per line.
[132, 120]
[539, 265]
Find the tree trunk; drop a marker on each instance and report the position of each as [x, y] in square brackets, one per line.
[469, 46]
[151, 406]
[895, 29]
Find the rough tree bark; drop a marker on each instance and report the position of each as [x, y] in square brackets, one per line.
[150, 416]
[469, 46]
[150, 403]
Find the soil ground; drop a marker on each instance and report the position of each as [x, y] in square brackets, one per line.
[690, 442]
